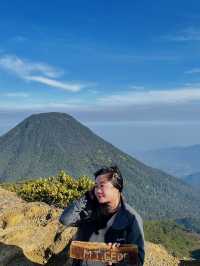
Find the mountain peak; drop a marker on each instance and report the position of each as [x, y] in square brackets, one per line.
[50, 115]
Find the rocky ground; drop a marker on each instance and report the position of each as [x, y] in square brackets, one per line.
[30, 234]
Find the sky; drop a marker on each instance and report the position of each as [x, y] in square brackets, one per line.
[129, 70]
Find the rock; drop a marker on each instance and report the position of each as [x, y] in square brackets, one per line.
[157, 255]
[30, 234]
[30, 230]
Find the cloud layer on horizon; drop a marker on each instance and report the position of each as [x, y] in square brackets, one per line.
[124, 99]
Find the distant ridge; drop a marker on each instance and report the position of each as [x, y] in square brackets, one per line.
[177, 161]
[43, 144]
[193, 180]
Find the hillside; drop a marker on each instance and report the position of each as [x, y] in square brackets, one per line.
[193, 180]
[190, 224]
[175, 238]
[43, 144]
[177, 161]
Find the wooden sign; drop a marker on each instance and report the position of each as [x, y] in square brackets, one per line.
[94, 251]
[189, 263]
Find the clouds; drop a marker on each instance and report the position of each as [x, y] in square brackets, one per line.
[25, 68]
[152, 97]
[135, 96]
[37, 72]
[74, 87]
[179, 104]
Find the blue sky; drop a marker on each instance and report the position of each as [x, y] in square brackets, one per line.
[129, 70]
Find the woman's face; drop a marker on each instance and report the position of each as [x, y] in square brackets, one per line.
[104, 190]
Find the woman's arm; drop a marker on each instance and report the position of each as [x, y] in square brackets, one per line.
[72, 213]
[79, 210]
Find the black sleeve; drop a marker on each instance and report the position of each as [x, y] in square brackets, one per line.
[73, 213]
[78, 211]
[136, 236]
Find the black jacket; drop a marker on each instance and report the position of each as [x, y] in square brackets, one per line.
[126, 228]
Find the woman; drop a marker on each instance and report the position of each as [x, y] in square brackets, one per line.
[103, 216]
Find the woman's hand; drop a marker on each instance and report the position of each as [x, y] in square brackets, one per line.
[113, 246]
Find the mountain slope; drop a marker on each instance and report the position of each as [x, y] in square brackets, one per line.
[193, 180]
[45, 143]
[174, 237]
[177, 161]
[190, 224]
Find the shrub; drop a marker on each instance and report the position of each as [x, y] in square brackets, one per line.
[57, 190]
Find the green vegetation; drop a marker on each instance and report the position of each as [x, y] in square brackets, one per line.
[193, 180]
[190, 224]
[58, 190]
[173, 237]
